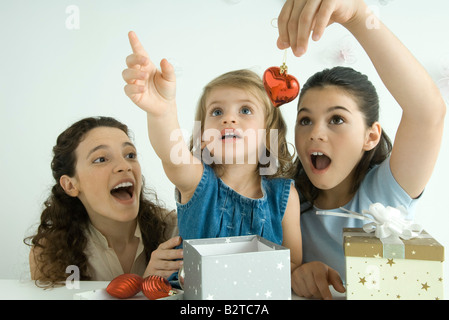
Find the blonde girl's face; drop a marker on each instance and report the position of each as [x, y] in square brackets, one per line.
[330, 136]
[234, 125]
[108, 177]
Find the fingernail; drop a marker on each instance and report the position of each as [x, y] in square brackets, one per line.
[299, 51]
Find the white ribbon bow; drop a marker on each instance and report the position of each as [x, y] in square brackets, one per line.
[385, 222]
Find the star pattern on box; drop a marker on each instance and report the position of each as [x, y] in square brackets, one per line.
[402, 269]
[425, 286]
[227, 274]
[392, 279]
[390, 262]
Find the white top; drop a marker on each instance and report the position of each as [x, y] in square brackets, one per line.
[322, 236]
[103, 262]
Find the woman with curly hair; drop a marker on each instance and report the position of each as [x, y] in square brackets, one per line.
[97, 217]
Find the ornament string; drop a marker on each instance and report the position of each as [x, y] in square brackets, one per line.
[283, 67]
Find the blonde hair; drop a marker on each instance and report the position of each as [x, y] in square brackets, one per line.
[251, 82]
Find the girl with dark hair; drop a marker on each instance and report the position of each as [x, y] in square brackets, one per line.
[344, 157]
[97, 217]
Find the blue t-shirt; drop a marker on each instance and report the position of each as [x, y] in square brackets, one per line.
[322, 235]
[216, 210]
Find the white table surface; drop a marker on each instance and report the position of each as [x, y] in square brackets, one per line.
[11, 289]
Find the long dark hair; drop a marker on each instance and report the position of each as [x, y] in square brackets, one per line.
[364, 93]
[60, 235]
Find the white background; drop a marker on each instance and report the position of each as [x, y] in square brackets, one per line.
[53, 75]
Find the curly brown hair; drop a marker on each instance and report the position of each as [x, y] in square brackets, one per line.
[248, 80]
[60, 237]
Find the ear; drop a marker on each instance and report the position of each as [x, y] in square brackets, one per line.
[373, 135]
[69, 185]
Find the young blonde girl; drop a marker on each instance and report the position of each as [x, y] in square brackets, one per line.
[224, 194]
[346, 160]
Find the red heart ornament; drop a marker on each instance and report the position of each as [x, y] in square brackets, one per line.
[280, 87]
[155, 287]
[125, 286]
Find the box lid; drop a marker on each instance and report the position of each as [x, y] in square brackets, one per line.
[358, 243]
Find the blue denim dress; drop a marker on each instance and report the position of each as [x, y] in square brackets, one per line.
[216, 210]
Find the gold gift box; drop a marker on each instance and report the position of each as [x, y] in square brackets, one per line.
[405, 269]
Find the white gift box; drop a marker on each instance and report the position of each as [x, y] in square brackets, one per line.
[236, 268]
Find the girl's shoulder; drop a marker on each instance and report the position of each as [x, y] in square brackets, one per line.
[379, 176]
[379, 185]
[278, 182]
[277, 191]
[205, 188]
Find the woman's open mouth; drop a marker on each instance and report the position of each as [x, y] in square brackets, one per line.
[320, 161]
[123, 192]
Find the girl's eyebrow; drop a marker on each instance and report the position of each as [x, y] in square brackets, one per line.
[222, 102]
[103, 146]
[331, 109]
[338, 108]
[303, 110]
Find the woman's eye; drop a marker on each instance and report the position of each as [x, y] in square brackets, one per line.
[216, 112]
[337, 120]
[131, 155]
[246, 110]
[100, 159]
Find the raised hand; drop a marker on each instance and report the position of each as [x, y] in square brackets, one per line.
[299, 18]
[150, 89]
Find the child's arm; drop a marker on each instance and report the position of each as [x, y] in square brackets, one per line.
[311, 280]
[154, 91]
[291, 229]
[418, 138]
[419, 135]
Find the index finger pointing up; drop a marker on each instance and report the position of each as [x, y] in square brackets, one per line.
[135, 44]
